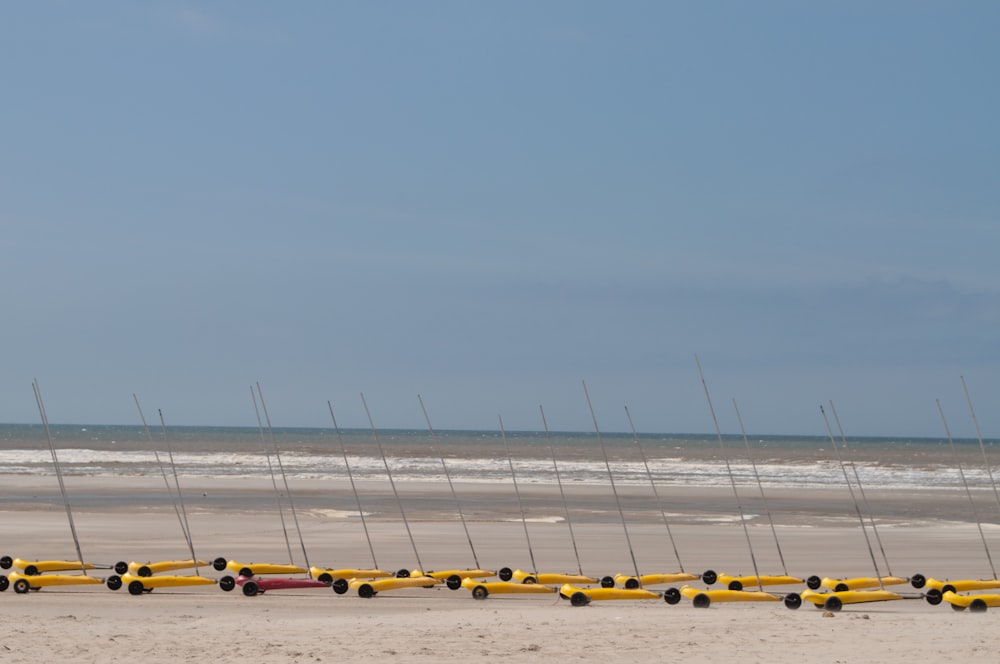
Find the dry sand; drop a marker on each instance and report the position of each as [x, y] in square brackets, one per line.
[94, 624]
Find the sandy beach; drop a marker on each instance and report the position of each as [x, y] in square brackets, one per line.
[95, 624]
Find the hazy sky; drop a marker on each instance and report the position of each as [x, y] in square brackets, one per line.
[488, 202]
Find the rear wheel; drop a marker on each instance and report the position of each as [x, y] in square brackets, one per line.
[403, 574]
[251, 589]
[31, 570]
[959, 607]
[340, 586]
[735, 585]
[114, 582]
[631, 583]
[21, 586]
[977, 606]
[833, 604]
[325, 577]
[840, 587]
[144, 571]
[530, 580]
[227, 583]
[947, 588]
[793, 600]
[480, 592]
[671, 595]
[579, 599]
[135, 588]
[701, 601]
[246, 572]
[365, 590]
[4, 583]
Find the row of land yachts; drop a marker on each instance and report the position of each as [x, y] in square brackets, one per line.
[579, 589]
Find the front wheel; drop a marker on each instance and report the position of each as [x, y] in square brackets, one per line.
[340, 586]
[671, 595]
[6, 562]
[114, 582]
[506, 574]
[454, 582]
[227, 583]
[933, 596]
[121, 567]
[814, 582]
[607, 582]
[219, 564]
[918, 581]
[709, 577]
[793, 600]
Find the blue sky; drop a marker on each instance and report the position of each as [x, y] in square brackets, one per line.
[488, 202]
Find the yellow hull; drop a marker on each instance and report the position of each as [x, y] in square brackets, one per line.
[963, 585]
[702, 598]
[628, 581]
[861, 583]
[148, 569]
[330, 575]
[583, 596]
[263, 568]
[976, 603]
[483, 589]
[367, 588]
[138, 584]
[752, 581]
[445, 574]
[22, 583]
[551, 579]
[32, 567]
[833, 601]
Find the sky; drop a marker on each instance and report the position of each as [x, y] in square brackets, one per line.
[489, 203]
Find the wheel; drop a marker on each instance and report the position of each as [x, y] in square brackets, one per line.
[833, 604]
[21, 586]
[403, 574]
[339, 586]
[31, 570]
[480, 592]
[6, 562]
[671, 595]
[529, 580]
[933, 596]
[959, 607]
[144, 571]
[947, 588]
[579, 599]
[247, 572]
[793, 600]
[701, 601]
[114, 582]
[735, 585]
[607, 582]
[227, 583]
[505, 574]
[631, 583]
[251, 589]
[454, 582]
[365, 590]
[814, 582]
[219, 564]
[325, 578]
[709, 577]
[918, 581]
[4, 582]
[135, 588]
[121, 567]
[977, 606]
[840, 587]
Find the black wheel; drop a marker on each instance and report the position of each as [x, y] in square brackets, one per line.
[480, 592]
[631, 583]
[403, 574]
[579, 599]
[505, 574]
[6, 562]
[144, 571]
[701, 601]
[918, 581]
[135, 588]
[21, 586]
[709, 577]
[246, 572]
[30, 570]
[814, 582]
[735, 585]
[219, 564]
[840, 587]
[454, 582]
[607, 582]
[959, 607]
[121, 567]
[227, 583]
[530, 580]
[671, 595]
[947, 588]
[977, 606]
[251, 589]
[833, 604]
[933, 596]
[325, 578]
[365, 590]
[4, 582]
[114, 582]
[793, 600]
[339, 586]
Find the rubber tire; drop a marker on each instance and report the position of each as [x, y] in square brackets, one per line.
[505, 574]
[579, 599]
[114, 582]
[631, 583]
[403, 574]
[6, 562]
[480, 592]
[454, 582]
[21, 586]
[833, 604]
[325, 577]
[607, 582]
[30, 570]
[144, 571]
[735, 585]
[251, 589]
[958, 607]
[340, 586]
[814, 582]
[219, 564]
[135, 587]
[246, 572]
[671, 596]
[840, 587]
[121, 567]
[977, 606]
[933, 596]
[227, 583]
[918, 581]
[709, 577]
[946, 587]
[530, 580]
[366, 591]
[793, 601]
[701, 601]
[4, 583]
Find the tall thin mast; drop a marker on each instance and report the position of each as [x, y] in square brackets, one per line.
[517, 492]
[160, 465]
[354, 489]
[180, 496]
[979, 436]
[562, 493]
[274, 479]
